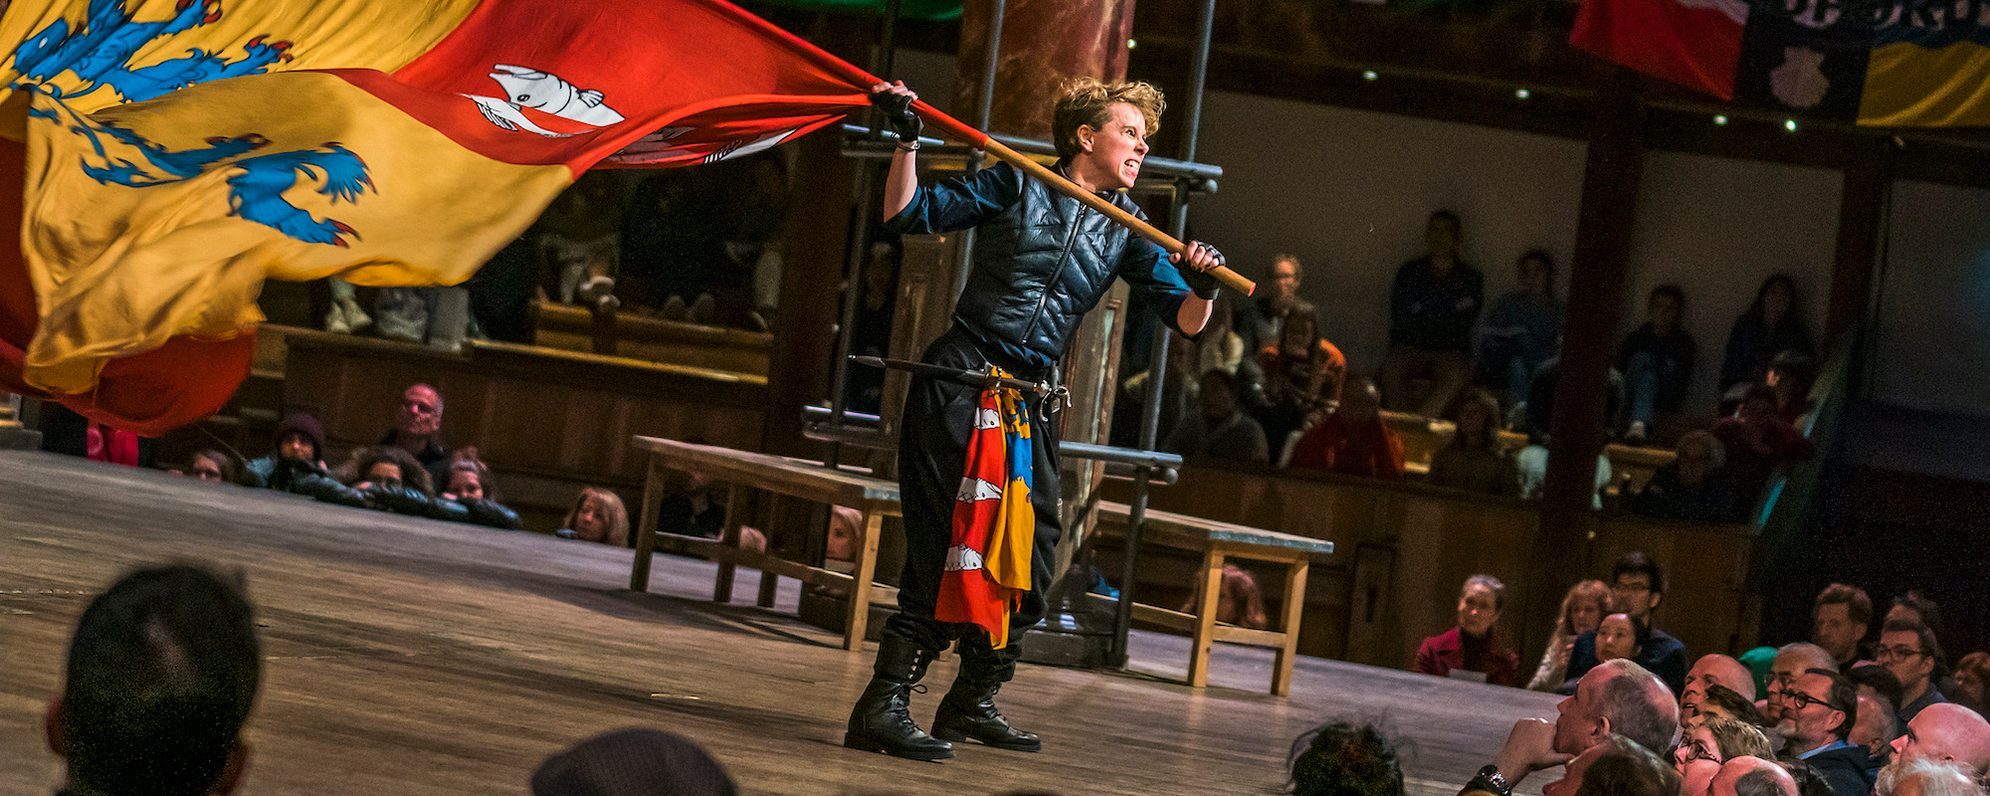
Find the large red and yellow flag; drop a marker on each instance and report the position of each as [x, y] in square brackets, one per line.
[172, 155]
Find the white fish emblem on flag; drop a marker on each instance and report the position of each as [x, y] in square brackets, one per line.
[525, 87]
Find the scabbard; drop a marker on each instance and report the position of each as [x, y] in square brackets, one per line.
[971, 378]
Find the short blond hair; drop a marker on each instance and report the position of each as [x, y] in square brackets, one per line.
[1085, 101]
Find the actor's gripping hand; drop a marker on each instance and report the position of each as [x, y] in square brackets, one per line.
[1201, 259]
[894, 100]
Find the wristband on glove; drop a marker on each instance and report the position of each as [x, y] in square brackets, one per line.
[898, 116]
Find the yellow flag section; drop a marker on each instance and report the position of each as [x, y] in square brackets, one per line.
[98, 53]
[163, 218]
[1912, 85]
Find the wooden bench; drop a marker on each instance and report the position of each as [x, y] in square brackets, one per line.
[875, 498]
[1218, 541]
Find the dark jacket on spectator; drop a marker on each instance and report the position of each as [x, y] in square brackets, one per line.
[1452, 649]
[434, 456]
[1673, 355]
[1847, 769]
[1750, 347]
[1435, 313]
[320, 485]
[1666, 497]
[1236, 438]
[1661, 654]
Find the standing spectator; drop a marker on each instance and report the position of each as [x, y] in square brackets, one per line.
[1301, 376]
[1693, 486]
[1758, 441]
[1823, 706]
[300, 438]
[1432, 306]
[1840, 617]
[1353, 440]
[1772, 325]
[1473, 460]
[1522, 328]
[1637, 585]
[1473, 645]
[1219, 430]
[1259, 321]
[1657, 361]
[1910, 652]
[1582, 610]
[162, 673]
[1341, 759]
[597, 516]
[418, 429]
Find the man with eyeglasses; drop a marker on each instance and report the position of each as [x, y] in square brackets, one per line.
[1792, 660]
[418, 430]
[1823, 706]
[1637, 585]
[1908, 650]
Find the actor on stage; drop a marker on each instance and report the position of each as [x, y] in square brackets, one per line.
[1042, 259]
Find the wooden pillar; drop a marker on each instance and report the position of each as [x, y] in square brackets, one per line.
[817, 240]
[1597, 291]
[1862, 208]
[1043, 42]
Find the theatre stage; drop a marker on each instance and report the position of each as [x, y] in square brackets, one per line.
[414, 657]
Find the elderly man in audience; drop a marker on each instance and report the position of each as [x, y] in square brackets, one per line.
[1693, 486]
[1259, 320]
[1618, 697]
[1752, 776]
[418, 429]
[162, 673]
[1909, 651]
[1353, 440]
[1472, 649]
[1821, 707]
[1946, 733]
[1840, 617]
[1792, 660]
[1219, 430]
[1714, 669]
[1876, 726]
[1637, 585]
[1617, 766]
[1928, 778]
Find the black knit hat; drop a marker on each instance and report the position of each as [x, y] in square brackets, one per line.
[632, 762]
[301, 423]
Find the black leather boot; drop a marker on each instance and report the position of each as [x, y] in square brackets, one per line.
[882, 718]
[968, 710]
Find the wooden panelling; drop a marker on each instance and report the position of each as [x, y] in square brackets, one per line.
[653, 339]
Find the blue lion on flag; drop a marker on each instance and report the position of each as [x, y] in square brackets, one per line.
[99, 52]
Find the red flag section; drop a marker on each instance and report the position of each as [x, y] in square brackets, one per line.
[1695, 43]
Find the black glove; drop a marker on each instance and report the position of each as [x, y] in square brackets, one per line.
[1204, 283]
[898, 115]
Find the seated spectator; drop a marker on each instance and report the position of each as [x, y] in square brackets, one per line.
[1840, 617]
[1910, 653]
[1876, 726]
[1821, 708]
[1616, 767]
[1618, 698]
[1927, 778]
[1707, 743]
[1916, 608]
[355, 481]
[696, 511]
[1637, 585]
[1240, 602]
[1693, 486]
[597, 516]
[632, 762]
[1219, 431]
[1532, 461]
[162, 672]
[1872, 678]
[1260, 319]
[1772, 325]
[1947, 734]
[1791, 375]
[1657, 362]
[212, 465]
[299, 438]
[1619, 636]
[469, 486]
[1712, 670]
[1720, 701]
[1582, 610]
[418, 429]
[1353, 440]
[1302, 376]
[1432, 305]
[1758, 441]
[1752, 776]
[1537, 417]
[1341, 759]
[1972, 673]
[1521, 329]
[1473, 646]
[1473, 460]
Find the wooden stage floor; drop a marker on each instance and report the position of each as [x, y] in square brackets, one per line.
[414, 657]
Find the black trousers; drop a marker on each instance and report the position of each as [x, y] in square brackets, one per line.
[932, 456]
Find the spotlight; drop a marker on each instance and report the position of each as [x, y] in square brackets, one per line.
[1521, 93]
[1720, 120]
[1369, 74]
[1790, 125]
[1130, 44]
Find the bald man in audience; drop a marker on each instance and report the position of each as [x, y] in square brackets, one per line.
[1617, 696]
[1945, 732]
[1714, 669]
[1752, 776]
[1927, 778]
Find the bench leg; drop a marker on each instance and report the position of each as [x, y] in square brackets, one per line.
[860, 582]
[1205, 618]
[735, 516]
[1295, 604]
[639, 573]
[770, 583]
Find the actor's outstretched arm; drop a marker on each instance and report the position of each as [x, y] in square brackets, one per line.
[894, 100]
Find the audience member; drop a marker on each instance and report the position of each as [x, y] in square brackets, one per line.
[1876, 726]
[1302, 378]
[1619, 636]
[469, 486]
[1522, 328]
[1657, 362]
[1972, 673]
[1259, 320]
[1617, 766]
[695, 511]
[1946, 733]
[299, 438]
[1239, 601]
[162, 672]
[1821, 708]
[1539, 413]
[1353, 440]
[1637, 585]
[1219, 430]
[598, 516]
[1791, 662]
[1772, 325]
[1758, 441]
[1473, 460]
[212, 465]
[1473, 645]
[632, 762]
[1840, 617]
[418, 429]
[1916, 607]
[1693, 486]
[1707, 742]
[1720, 701]
[1752, 776]
[1342, 759]
[1909, 651]
[1712, 670]
[1791, 375]
[1582, 610]
[1927, 778]
[1618, 697]
[1872, 678]
[1432, 306]
[1532, 460]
